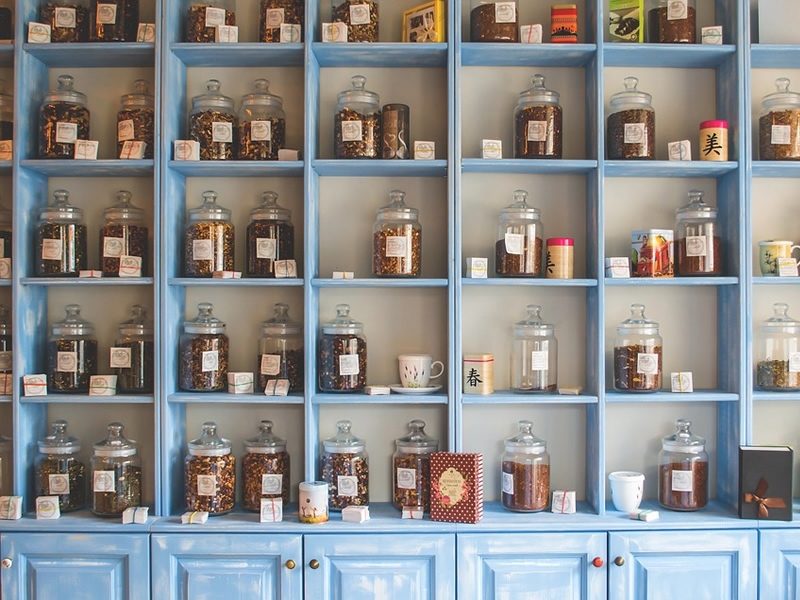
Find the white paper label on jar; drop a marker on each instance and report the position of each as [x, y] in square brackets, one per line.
[406, 479]
[221, 131]
[106, 14]
[515, 243]
[682, 481]
[647, 363]
[5, 360]
[266, 248]
[67, 362]
[270, 364]
[66, 17]
[794, 362]
[359, 14]
[634, 133]
[396, 245]
[348, 364]
[271, 483]
[206, 485]
[58, 484]
[505, 12]
[290, 33]
[539, 360]
[52, 249]
[202, 250]
[351, 131]
[347, 485]
[112, 247]
[274, 18]
[215, 16]
[261, 131]
[210, 360]
[677, 9]
[66, 133]
[104, 481]
[120, 358]
[781, 134]
[508, 483]
[537, 131]
[125, 130]
[696, 245]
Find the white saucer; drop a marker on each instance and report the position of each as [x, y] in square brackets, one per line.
[420, 390]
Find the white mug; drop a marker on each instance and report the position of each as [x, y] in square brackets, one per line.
[415, 370]
[626, 490]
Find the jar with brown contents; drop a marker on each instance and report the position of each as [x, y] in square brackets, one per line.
[58, 471]
[203, 353]
[270, 237]
[411, 468]
[281, 21]
[698, 240]
[672, 22]
[209, 241]
[491, 21]
[136, 121]
[345, 468]
[631, 129]
[280, 351]
[63, 119]
[360, 16]
[525, 471]
[71, 354]
[342, 356]
[133, 354]
[397, 239]
[60, 239]
[779, 124]
[777, 356]
[68, 20]
[357, 123]
[116, 474]
[519, 248]
[210, 473]
[637, 354]
[113, 20]
[212, 123]
[262, 124]
[124, 240]
[683, 470]
[203, 16]
[538, 122]
[265, 469]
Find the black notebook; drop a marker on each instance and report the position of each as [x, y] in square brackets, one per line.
[765, 482]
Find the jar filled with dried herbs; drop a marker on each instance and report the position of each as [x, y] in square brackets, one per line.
[491, 21]
[397, 239]
[525, 471]
[68, 20]
[538, 122]
[203, 352]
[133, 354]
[116, 474]
[411, 468]
[519, 249]
[136, 120]
[124, 239]
[671, 22]
[265, 468]
[209, 241]
[63, 119]
[534, 355]
[281, 21]
[270, 236]
[342, 356]
[6, 466]
[345, 468]
[60, 239]
[683, 470]
[637, 354]
[357, 123]
[631, 127]
[203, 16]
[698, 240]
[58, 471]
[113, 20]
[6, 114]
[280, 350]
[212, 122]
[262, 124]
[779, 124]
[777, 355]
[71, 354]
[210, 473]
[360, 16]
[6, 247]
[6, 348]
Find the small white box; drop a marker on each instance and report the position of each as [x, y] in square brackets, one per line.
[618, 267]
[39, 33]
[240, 383]
[271, 510]
[285, 269]
[334, 32]
[140, 516]
[186, 150]
[277, 387]
[413, 512]
[530, 34]
[103, 385]
[711, 35]
[34, 385]
[787, 267]
[130, 266]
[47, 507]
[574, 390]
[10, 508]
[355, 514]
[132, 150]
[424, 150]
[344, 275]
[146, 33]
[90, 274]
[226, 275]
[777, 22]
[6, 149]
[563, 502]
[128, 515]
[289, 154]
[644, 515]
[680, 150]
[86, 149]
[290, 33]
[377, 390]
[477, 268]
[492, 149]
[682, 382]
[194, 517]
[226, 34]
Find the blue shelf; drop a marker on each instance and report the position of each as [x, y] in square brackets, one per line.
[391, 282]
[508, 397]
[613, 397]
[5, 283]
[104, 54]
[788, 396]
[225, 398]
[380, 168]
[90, 168]
[789, 169]
[774, 56]
[528, 281]
[671, 281]
[776, 280]
[526, 166]
[86, 281]
[6, 54]
[239, 55]
[361, 398]
[475, 54]
[5, 399]
[668, 168]
[685, 56]
[85, 399]
[241, 282]
[237, 168]
[380, 55]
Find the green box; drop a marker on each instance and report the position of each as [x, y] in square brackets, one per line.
[626, 20]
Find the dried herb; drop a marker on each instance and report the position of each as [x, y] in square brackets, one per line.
[193, 377]
[196, 30]
[531, 486]
[331, 348]
[127, 488]
[710, 264]
[335, 465]
[291, 368]
[283, 235]
[70, 466]
[50, 115]
[420, 493]
[119, 20]
[132, 241]
[626, 369]
[694, 499]
[223, 496]
[254, 466]
[661, 29]
[71, 238]
[527, 264]
[53, 15]
[292, 12]
[548, 119]
[139, 378]
[775, 375]
[143, 130]
[358, 32]
[250, 149]
[369, 144]
[635, 148]
[770, 151]
[220, 236]
[80, 367]
[408, 265]
[201, 129]
[483, 26]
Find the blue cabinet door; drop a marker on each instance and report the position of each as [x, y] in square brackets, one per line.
[534, 566]
[664, 565]
[779, 573]
[380, 567]
[98, 566]
[232, 566]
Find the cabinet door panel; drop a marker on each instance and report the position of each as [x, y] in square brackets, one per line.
[780, 565]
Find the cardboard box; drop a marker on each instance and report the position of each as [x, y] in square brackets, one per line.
[456, 487]
[765, 482]
[626, 20]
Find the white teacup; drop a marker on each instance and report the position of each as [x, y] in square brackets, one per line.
[626, 490]
[416, 370]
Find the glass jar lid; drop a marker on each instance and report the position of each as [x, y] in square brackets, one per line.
[358, 94]
[140, 96]
[696, 208]
[59, 442]
[204, 322]
[532, 325]
[417, 441]
[269, 209]
[780, 321]
[115, 444]
[123, 210]
[212, 97]
[397, 210]
[281, 324]
[209, 210]
[342, 324]
[73, 323]
[637, 322]
[525, 442]
[138, 324]
[520, 209]
[781, 97]
[683, 440]
[210, 444]
[61, 209]
[261, 95]
[538, 93]
[344, 442]
[631, 95]
[265, 442]
[65, 92]
[5, 325]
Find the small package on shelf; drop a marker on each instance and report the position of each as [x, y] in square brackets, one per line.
[646, 515]
[343, 275]
[563, 502]
[355, 514]
[34, 385]
[652, 253]
[90, 274]
[360, 17]
[618, 267]
[47, 507]
[146, 33]
[289, 154]
[195, 517]
[136, 122]
[38, 33]
[681, 150]
[682, 382]
[6, 383]
[477, 267]
[334, 32]
[133, 150]
[711, 35]
[103, 385]
[492, 149]
[86, 149]
[187, 150]
[5, 268]
[377, 390]
[10, 508]
[456, 487]
[141, 514]
[240, 383]
[424, 150]
[564, 24]
[478, 374]
[128, 515]
[226, 275]
[277, 387]
[226, 34]
[530, 34]
[413, 512]
[425, 23]
[626, 20]
[285, 269]
[765, 482]
[271, 510]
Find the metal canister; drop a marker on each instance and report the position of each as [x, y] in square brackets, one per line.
[396, 136]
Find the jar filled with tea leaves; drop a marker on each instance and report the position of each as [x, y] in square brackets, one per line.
[6, 247]
[209, 241]
[357, 123]
[342, 356]
[360, 16]
[72, 354]
[6, 349]
[526, 471]
[534, 355]
[136, 120]
[270, 236]
[116, 474]
[6, 114]
[6, 466]
[68, 20]
[631, 130]
[212, 122]
[519, 249]
[637, 354]
[281, 21]
[778, 352]
[698, 238]
[397, 239]
[683, 470]
[133, 354]
[60, 239]
[412, 467]
[779, 124]
[280, 350]
[58, 471]
[262, 124]
[345, 468]
[210, 473]
[672, 22]
[63, 119]
[491, 21]
[265, 468]
[203, 352]
[124, 239]
[537, 122]
[113, 20]
[203, 16]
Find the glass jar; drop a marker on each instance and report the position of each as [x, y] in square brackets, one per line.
[6, 247]
[6, 348]
[203, 17]
[133, 354]
[72, 354]
[397, 239]
[525, 471]
[683, 470]
[637, 354]
[6, 466]
[520, 240]
[68, 20]
[203, 352]
[342, 357]
[60, 239]
[360, 16]
[671, 22]
[534, 355]
[345, 468]
[280, 350]
[281, 21]
[262, 124]
[58, 471]
[491, 21]
[631, 129]
[116, 474]
[779, 124]
[699, 243]
[537, 122]
[270, 236]
[265, 468]
[124, 239]
[6, 108]
[778, 352]
[136, 119]
[113, 20]
[357, 123]
[212, 121]
[6, 19]
[209, 241]
[63, 119]
[412, 467]
[210, 473]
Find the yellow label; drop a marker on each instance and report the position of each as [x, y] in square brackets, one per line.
[452, 487]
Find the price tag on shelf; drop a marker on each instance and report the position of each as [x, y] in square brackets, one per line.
[682, 382]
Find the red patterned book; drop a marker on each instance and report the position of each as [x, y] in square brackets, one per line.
[456, 487]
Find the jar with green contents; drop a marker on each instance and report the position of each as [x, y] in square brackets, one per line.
[58, 471]
[210, 473]
[116, 474]
[265, 468]
[72, 354]
[133, 355]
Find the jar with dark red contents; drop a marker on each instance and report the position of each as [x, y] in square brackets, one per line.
[538, 122]
[631, 128]
[262, 124]
[71, 354]
[113, 20]
[525, 471]
[133, 354]
[63, 120]
[683, 470]
[68, 20]
[203, 16]
[204, 351]
[698, 239]
[345, 468]
[342, 356]
[270, 236]
[212, 123]
[637, 353]
[210, 473]
[281, 21]
[136, 120]
[493, 21]
[280, 350]
[411, 469]
[265, 468]
[520, 240]
[357, 123]
[124, 239]
[672, 22]
[209, 239]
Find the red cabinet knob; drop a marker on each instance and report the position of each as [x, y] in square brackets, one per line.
[597, 562]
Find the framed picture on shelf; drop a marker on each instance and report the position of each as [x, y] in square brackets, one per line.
[425, 23]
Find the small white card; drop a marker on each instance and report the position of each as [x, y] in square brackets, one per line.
[477, 268]
[711, 35]
[355, 514]
[682, 382]
[290, 33]
[787, 267]
[130, 266]
[86, 149]
[6, 382]
[285, 269]
[334, 32]
[35, 385]
[240, 383]
[47, 507]
[140, 516]
[187, 150]
[90, 274]
[103, 385]
[530, 34]
[226, 275]
[377, 390]
[680, 150]
[271, 510]
[289, 154]
[132, 150]
[277, 387]
[226, 34]
[10, 508]
[563, 502]
[343, 275]
[39, 33]
[424, 150]
[413, 512]
[492, 149]
[128, 515]
[194, 517]
[146, 33]
[618, 267]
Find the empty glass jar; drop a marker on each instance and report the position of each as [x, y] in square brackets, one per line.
[525, 471]
[357, 123]
[270, 236]
[683, 470]
[397, 239]
[345, 468]
[631, 129]
[60, 239]
[265, 468]
[203, 352]
[136, 120]
[520, 240]
[342, 356]
[63, 119]
[58, 471]
[534, 355]
[210, 473]
[778, 352]
[124, 239]
[637, 354]
[116, 474]
[262, 124]
[212, 122]
[699, 245]
[133, 355]
[209, 240]
[538, 122]
[203, 16]
[412, 467]
[280, 350]
[71, 354]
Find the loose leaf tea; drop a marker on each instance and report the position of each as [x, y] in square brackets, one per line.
[202, 129]
[420, 494]
[779, 151]
[220, 238]
[331, 349]
[385, 264]
[139, 377]
[292, 13]
[196, 30]
[529, 263]
[259, 149]
[70, 238]
[641, 142]
[367, 145]
[548, 143]
[75, 497]
[775, 375]
[143, 120]
[365, 29]
[662, 29]
[132, 241]
[484, 27]
[291, 368]
[114, 20]
[261, 263]
[193, 374]
[254, 466]
[693, 499]
[50, 115]
[200, 496]
[531, 486]
[339, 464]
[70, 373]
[626, 369]
[63, 28]
[127, 492]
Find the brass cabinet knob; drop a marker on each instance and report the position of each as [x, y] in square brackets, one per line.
[619, 561]
[290, 564]
[7, 562]
[313, 563]
[597, 562]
